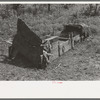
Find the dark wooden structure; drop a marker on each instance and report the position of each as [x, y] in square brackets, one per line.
[77, 29]
[26, 43]
[71, 34]
[72, 30]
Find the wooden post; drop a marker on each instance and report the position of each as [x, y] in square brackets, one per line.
[72, 40]
[58, 49]
[63, 49]
[10, 50]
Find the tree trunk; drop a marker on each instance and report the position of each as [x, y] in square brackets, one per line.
[95, 11]
[90, 9]
[49, 8]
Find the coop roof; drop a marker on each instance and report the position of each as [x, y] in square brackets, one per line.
[24, 31]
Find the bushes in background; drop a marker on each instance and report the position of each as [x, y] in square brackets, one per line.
[47, 21]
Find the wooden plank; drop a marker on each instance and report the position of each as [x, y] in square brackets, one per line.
[62, 44]
[52, 39]
[64, 47]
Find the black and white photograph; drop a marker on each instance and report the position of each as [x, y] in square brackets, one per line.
[47, 42]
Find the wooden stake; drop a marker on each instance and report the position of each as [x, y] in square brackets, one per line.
[72, 40]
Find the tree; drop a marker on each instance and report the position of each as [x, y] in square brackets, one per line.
[16, 8]
[5, 11]
[93, 9]
[49, 8]
[90, 8]
[35, 10]
[96, 9]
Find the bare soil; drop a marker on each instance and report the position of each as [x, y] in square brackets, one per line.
[82, 63]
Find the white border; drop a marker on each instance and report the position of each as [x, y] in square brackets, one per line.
[51, 2]
[48, 89]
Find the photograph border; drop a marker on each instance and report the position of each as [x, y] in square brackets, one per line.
[8, 87]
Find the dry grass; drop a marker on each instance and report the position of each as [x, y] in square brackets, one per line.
[82, 63]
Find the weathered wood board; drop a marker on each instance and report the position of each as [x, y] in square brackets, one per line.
[64, 46]
[55, 51]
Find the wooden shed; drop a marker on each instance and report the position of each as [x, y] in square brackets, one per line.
[64, 42]
[27, 43]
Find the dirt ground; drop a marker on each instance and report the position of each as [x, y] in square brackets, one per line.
[82, 63]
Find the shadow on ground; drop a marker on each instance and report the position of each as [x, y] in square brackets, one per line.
[19, 61]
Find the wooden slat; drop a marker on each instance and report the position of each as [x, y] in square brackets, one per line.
[63, 44]
[54, 50]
